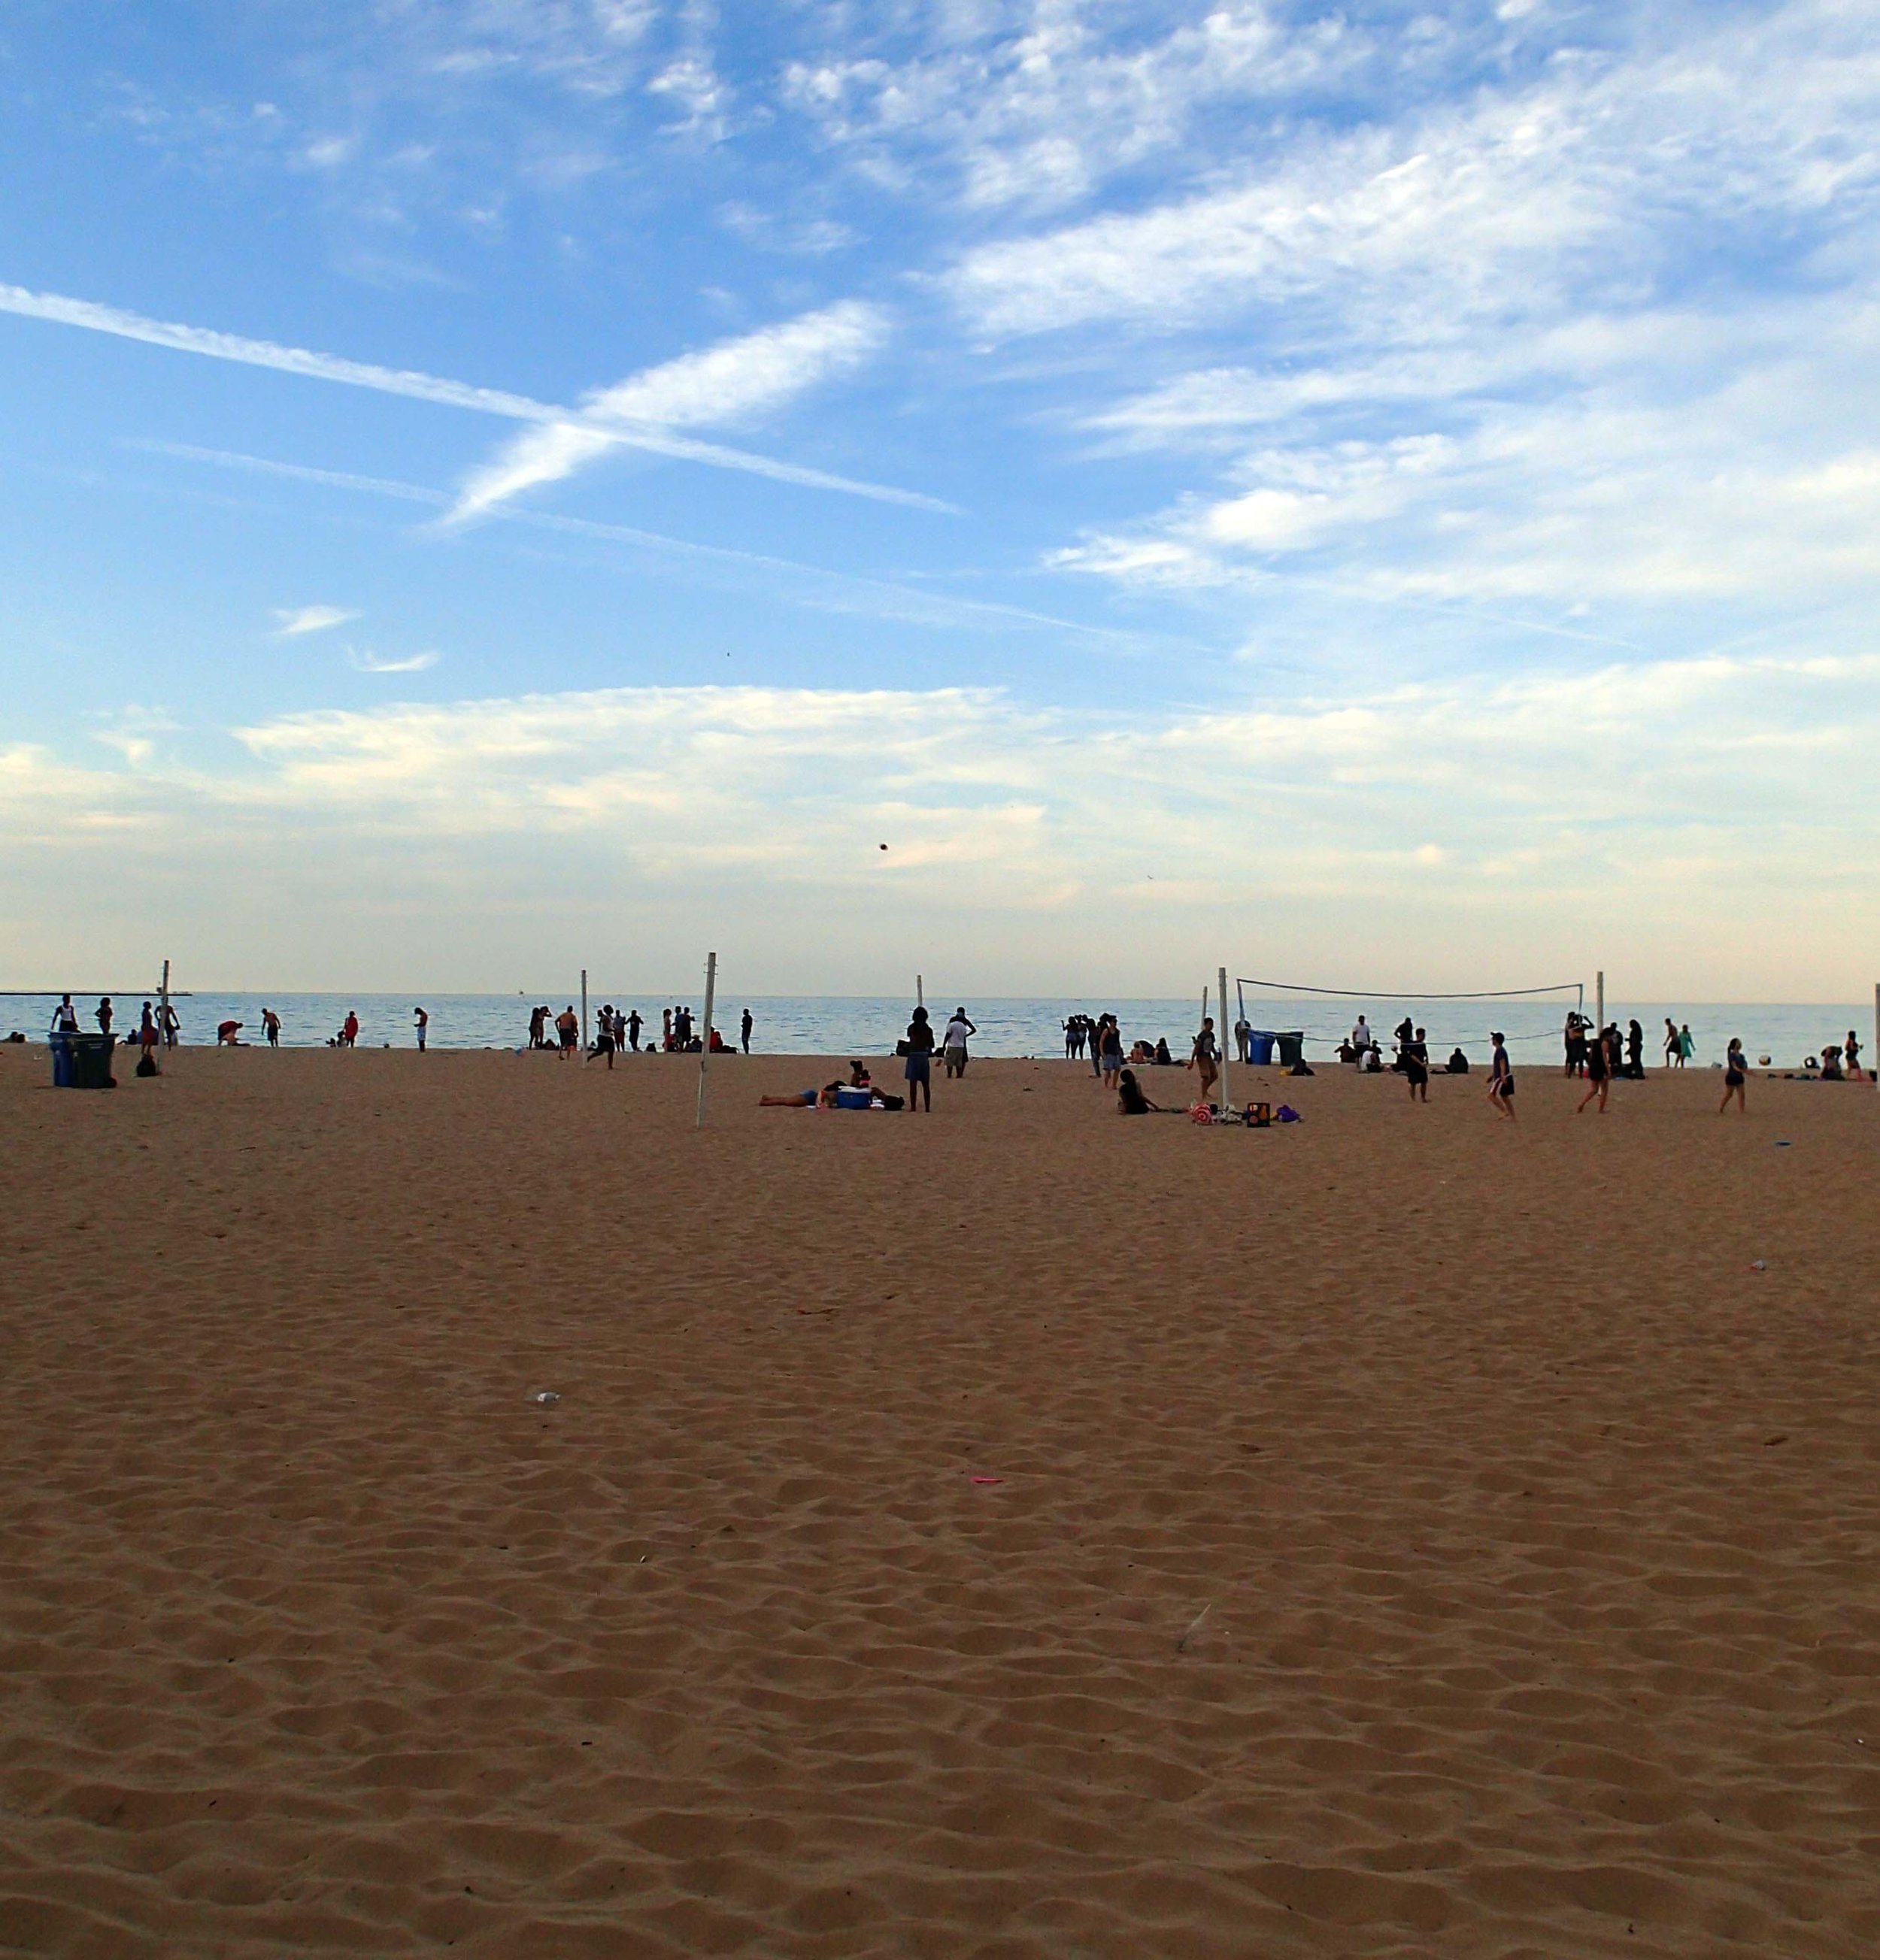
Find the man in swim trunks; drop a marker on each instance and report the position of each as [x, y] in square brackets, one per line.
[1501, 1079]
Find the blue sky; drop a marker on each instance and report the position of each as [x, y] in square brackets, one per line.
[493, 487]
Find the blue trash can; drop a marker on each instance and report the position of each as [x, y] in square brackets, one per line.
[1260, 1047]
[82, 1061]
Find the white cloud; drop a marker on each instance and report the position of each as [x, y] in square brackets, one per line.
[368, 662]
[1492, 817]
[1037, 103]
[297, 620]
[726, 383]
[848, 319]
[1495, 207]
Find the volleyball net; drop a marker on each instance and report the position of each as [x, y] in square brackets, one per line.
[1529, 1016]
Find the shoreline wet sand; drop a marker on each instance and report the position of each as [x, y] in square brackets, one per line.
[1398, 1535]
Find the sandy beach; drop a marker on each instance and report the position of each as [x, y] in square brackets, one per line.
[1018, 1533]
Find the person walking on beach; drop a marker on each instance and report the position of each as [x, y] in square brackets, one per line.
[104, 1015]
[745, 1024]
[953, 1046]
[603, 1042]
[1501, 1078]
[1687, 1046]
[1417, 1066]
[270, 1026]
[918, 1047]
[1671, 1042]
[421, 1021]
[1735, 1074]
[1598, 1074]
[1851, 1049]
[568, 1028]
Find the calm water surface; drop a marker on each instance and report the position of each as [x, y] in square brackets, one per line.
[840, 1024]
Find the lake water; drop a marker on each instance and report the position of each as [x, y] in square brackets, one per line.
[842, 1025]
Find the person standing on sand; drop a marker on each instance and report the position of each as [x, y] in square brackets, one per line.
[349, 1031]
[1501, 1078]
[422, 1021]
[1687, 1047]
[64, 1016]
[538, 1018]
[1598, 1074]
[147, 1030]
[270, 1025]
[1671, 1042]
[104, 1015]
[918, 1047]
[1851, 1049]
[1735, 1074]
[745, 1024]
[568, 1028]
[1634, 1050]
[1110, 1056]
[1204, 1057]
[634, 1024]
[953, 1046]
[1417, 1066]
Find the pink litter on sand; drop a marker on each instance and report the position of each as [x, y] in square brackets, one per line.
[989, 1480]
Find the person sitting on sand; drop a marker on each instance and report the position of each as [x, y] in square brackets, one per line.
[1501, 1079]
[858, 1076]
[225, 1034]
[1735, 1074]
[1142, 1055]
[1458, 1062]
[1163, 1058]
[1831, 1064]
[1130, 1100]
[1204, 1058]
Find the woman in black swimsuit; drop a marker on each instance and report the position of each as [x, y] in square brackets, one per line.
[1415, 1053]
[1598, 1074]
[919, 1049]
[1501, 1079]
[1735, 1073]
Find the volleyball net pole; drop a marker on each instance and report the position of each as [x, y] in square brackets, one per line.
[1221, 1044]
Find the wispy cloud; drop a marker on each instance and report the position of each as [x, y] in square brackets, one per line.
[716, 385]
[816, 585]
[219, 346]
[297, 620]
[368, 662]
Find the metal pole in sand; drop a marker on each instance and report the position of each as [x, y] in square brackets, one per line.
[1599, 1010]
[1873, 1060]
[920, 991]
[584, 1008]
[705, 1053]
[1220, 1043]
[163, 1023]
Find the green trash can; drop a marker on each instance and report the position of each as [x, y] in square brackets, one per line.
[87, 1061]
[1292, 1048]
